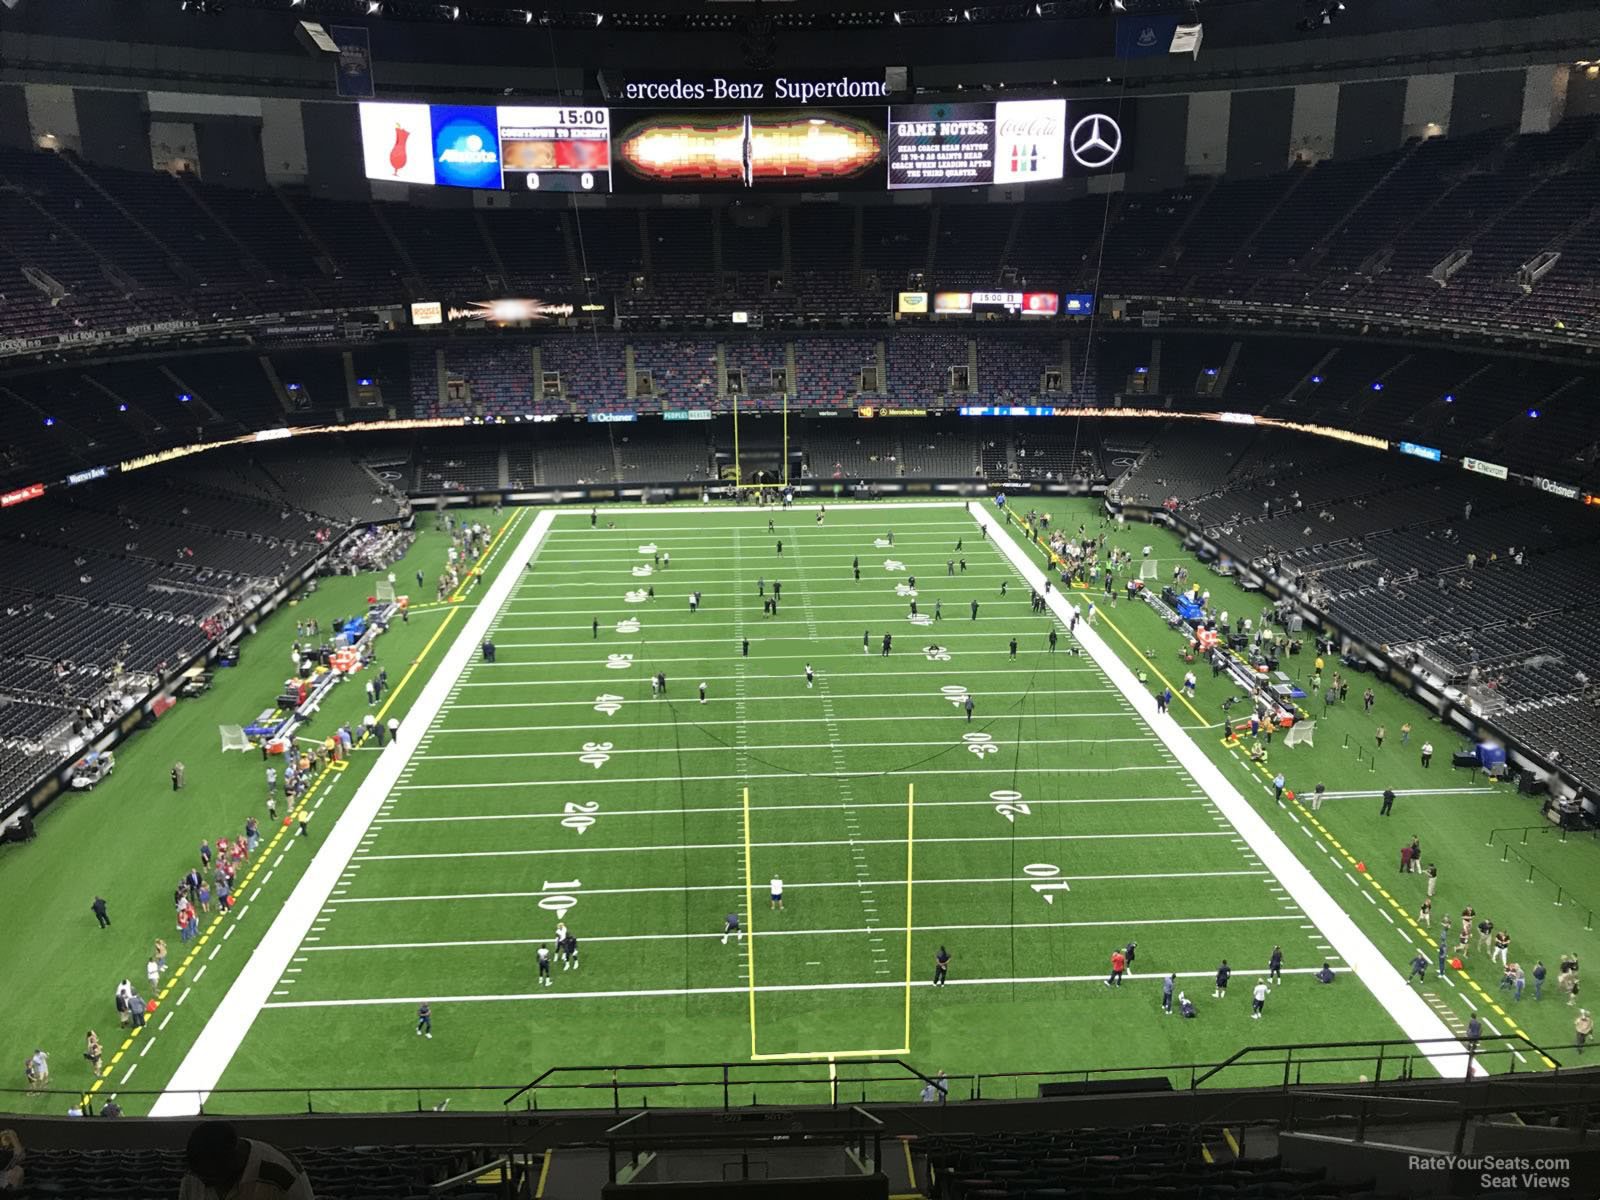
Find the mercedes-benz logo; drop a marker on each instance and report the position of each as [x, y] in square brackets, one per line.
[1095, 141]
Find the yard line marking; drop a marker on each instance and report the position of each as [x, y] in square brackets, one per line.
[229, 932]
[215, 950]
[829, 745]
[600, 675]
[1029, 837]
[145, 1049]
[845, 883]
[164, 1021]
[131, 1070]
[785, 699]
[648, 993]
[182, 998]
[276, 861]
[976, 769]
[705, 810]
[201, 972]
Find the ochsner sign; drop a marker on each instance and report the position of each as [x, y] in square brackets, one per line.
[1565, 490]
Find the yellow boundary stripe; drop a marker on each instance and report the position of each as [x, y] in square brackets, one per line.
[476, 570]
[326, 775]
[544, 1174]
[1232, 743]
[911, 1168]
[1403, 913]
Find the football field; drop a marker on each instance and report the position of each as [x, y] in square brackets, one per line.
[1029, 836]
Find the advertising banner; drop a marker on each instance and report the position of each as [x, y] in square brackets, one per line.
[353, 71]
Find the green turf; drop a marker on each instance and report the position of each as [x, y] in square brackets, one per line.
[1454, 825]
[663, 860]
[132, 838]
[447, 903]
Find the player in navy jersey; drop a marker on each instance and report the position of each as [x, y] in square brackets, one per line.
[1223, 972]
[731, 928]
[941, 967]
[425, 1021]
[568, 950]
[543, 955]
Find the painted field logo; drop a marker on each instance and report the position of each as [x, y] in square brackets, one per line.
[893, 564]
[608, 704]
[920, 619]
[628, 625]
[582, 815]
[644, 569]
[618, 662]
[904, 589]
[955, 693]
[980, 744]
[1008, 804]
[936, 653]
[637, 596]
[596, 754]
[648, 548]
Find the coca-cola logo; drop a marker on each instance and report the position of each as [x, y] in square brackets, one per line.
[1034, 127]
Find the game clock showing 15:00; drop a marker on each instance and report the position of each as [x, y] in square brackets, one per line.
[555, 149]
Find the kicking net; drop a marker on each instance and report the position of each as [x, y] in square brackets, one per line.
[1301, 733]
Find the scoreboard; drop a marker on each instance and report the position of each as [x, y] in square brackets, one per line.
[572, 148]
[552, 148]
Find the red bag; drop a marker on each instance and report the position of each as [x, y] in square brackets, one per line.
[230, 900]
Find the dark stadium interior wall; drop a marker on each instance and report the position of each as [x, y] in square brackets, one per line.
[1583, 93]
[1487, 100]
[333, 151]
[1158, 151]
[14, 117]
[114, 128]
[1370, 118]
[1258, 132]
[230, 151]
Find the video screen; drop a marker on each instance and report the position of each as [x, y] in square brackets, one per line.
[555, 149]
[976, 145]
[808, 149]
[551, 149]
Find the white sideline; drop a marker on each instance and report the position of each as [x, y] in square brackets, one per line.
[1409, 1010]
[219, 1041]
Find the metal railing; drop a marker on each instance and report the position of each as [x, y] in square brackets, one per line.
[1508, 852]
[845, 1082]
[722, 1084]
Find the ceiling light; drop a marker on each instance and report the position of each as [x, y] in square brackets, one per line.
[897, 18]
[374, 8]
[599, 19]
